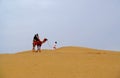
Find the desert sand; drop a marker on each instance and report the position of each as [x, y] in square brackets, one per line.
[65, 62]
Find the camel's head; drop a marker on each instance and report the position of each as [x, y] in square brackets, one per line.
[44, 40]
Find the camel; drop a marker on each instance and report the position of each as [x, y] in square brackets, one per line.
[38, 44]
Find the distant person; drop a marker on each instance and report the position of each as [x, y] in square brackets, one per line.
[36, 38]
[35, 41]
[55, 45]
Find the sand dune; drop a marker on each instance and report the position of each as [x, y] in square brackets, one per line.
[65, 62]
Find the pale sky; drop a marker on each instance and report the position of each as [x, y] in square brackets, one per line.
[84, 23]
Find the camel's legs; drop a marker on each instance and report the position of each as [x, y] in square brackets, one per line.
[33, 49]
[38, 48]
